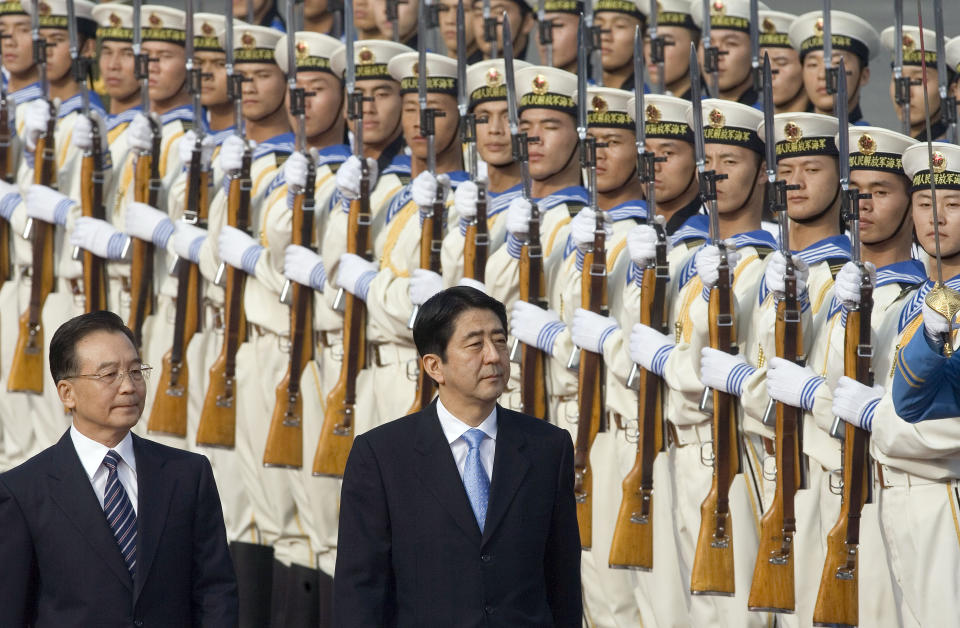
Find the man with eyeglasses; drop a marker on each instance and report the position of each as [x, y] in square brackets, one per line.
[106, 528]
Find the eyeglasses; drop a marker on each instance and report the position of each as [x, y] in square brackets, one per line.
[114, 378]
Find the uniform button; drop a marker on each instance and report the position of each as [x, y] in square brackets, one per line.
[485, 558]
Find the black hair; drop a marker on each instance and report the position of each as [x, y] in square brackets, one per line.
[63, 345]
[433, 327]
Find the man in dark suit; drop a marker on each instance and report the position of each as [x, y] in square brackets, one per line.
[462, 514]
[105, 528]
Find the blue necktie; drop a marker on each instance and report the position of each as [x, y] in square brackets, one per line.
[119, 512]
[475, 479]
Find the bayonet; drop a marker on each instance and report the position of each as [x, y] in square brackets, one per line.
[519, 140]
[490, 29]
[901, 83]
[657, 52]
[830, 74]
[545, 28]
[591, 42]
[250, 15]
[711, 56]
[755, 45]
[948, 102]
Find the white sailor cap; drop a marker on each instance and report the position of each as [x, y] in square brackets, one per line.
[666, 117]
[952, 53]
[848, 32]
[12, 7]
[542, 87]
[556, 6]
[729, 122]
[608, 107]
[252, 44]
[875, 148]
[725, 14]
[53, 14]
[441, 73]
[205, 29]
[114, 21]
[945, 166]
[486, 80]
[370, 57]
[774, 28]
[160, 23]
[671, 13]
[798, 134]
[911, 44]
[313, 52]
[628, 7]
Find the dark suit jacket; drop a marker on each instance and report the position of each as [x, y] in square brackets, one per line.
[410, 552]
[60, 564]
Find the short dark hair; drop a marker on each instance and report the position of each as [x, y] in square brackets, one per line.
[433, 327]
[63, 346]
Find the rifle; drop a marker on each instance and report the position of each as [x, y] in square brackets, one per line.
[146, 189]
[26, 370]
[169, 412]
[831, 74]
[284, 446]
[218, 419]
[7, 174]
[713, 563]
[476, 246]
[632, 546]
[837, 599]
[533, 384]
[336, 435]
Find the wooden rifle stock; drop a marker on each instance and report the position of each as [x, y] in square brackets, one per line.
[6, 172]
[431, 239]
[533, 373]
[146, 190]
[838, 598]
[91, 197]
[632, 546]
[26, 369]
[476, 246]
[713, 568]
[772, 588]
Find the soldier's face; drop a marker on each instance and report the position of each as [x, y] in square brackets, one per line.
[520, 25]
[168, 69]
[564, 32]
[58, 52]
[676, 54]
[213, 84]
[493, 133]
[816, 85]
[948, 216]
[264, 89]
[406, 18]
[734, 64]
[240, 8]
[818, 181]
[325, 105]
[915, 74]
[117, 69]
[17, 43]
[448, 25]
[313, 9]
[445, 127]
[888, 208]
[788, 79]
[616, 157]
[742, 167]
[674, 176]
[381, 110]
[363, 17]
[556, 142]
[616, 41]
[477, 365]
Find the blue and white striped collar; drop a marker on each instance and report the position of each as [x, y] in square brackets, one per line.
[219, 136]
[571, 195]
[914, 306]
[114, 120]
[75, 103]
[183, 112]
[834, 247]
[910, 272]
[499, 201]
[634, 209]
[336, 154]
[26, 94]
[757, 238]
[697, 227]
[405, 195]
[282, 143]
[399, 166]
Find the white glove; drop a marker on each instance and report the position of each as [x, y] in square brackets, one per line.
[348, 177]
[535, 326]
[649, 348]
[185, 149]
[855, 403]
[423, 285]
[424, 190]
[847, 283]
[47, 204]
[140, 134]
[708, 260]
[303, 266]
[295, 170]
[148, 223]
[35, 122]
[187, 240]
[642, 245]
[99, 237]
[473, 283]
[590, 330]
[935, 325]
[465, 200]
[722, 371]
[518, 217]
[354, 274]
[231, 153]
[792, 384]
[584, 225]
[777, 270]
[82, 136]
[238, 249]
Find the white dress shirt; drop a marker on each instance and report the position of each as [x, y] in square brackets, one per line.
[454, 429]
[92, 454]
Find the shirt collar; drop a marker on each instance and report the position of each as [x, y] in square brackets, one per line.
[454, 428]
[92, 453]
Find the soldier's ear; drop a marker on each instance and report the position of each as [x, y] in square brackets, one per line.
[864, 75]
[527, 25]
[432, 366]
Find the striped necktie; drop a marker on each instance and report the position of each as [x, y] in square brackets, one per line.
[475, 479]
[119, 512]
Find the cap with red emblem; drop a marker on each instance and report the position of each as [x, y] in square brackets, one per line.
[114, 21]
[159, 23]
[945, 166]
[665, 117]
[728, 122]
[253, 44]
[542, 87]
[205, 29]
[874, 148]
[485, 80]
[608, 107]
[370, 57]
[725, 14]
[801, 134]
[313, 52]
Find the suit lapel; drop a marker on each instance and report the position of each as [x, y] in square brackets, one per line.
[71, 490]
[438, 471]
[509, 468]
[153, 497]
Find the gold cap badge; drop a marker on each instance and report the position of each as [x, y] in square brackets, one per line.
[792, 131]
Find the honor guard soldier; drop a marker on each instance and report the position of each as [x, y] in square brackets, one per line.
[675, 26]
[562, 17]
[522, 20]
[730, 36]
[853, 39]
[265, 13]
[20, 74]
[913, 70]
[405, 31]
[788, 91]
[618, 19]
[952, 53]
[916, 463]
[319, 17]
[448, 30]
